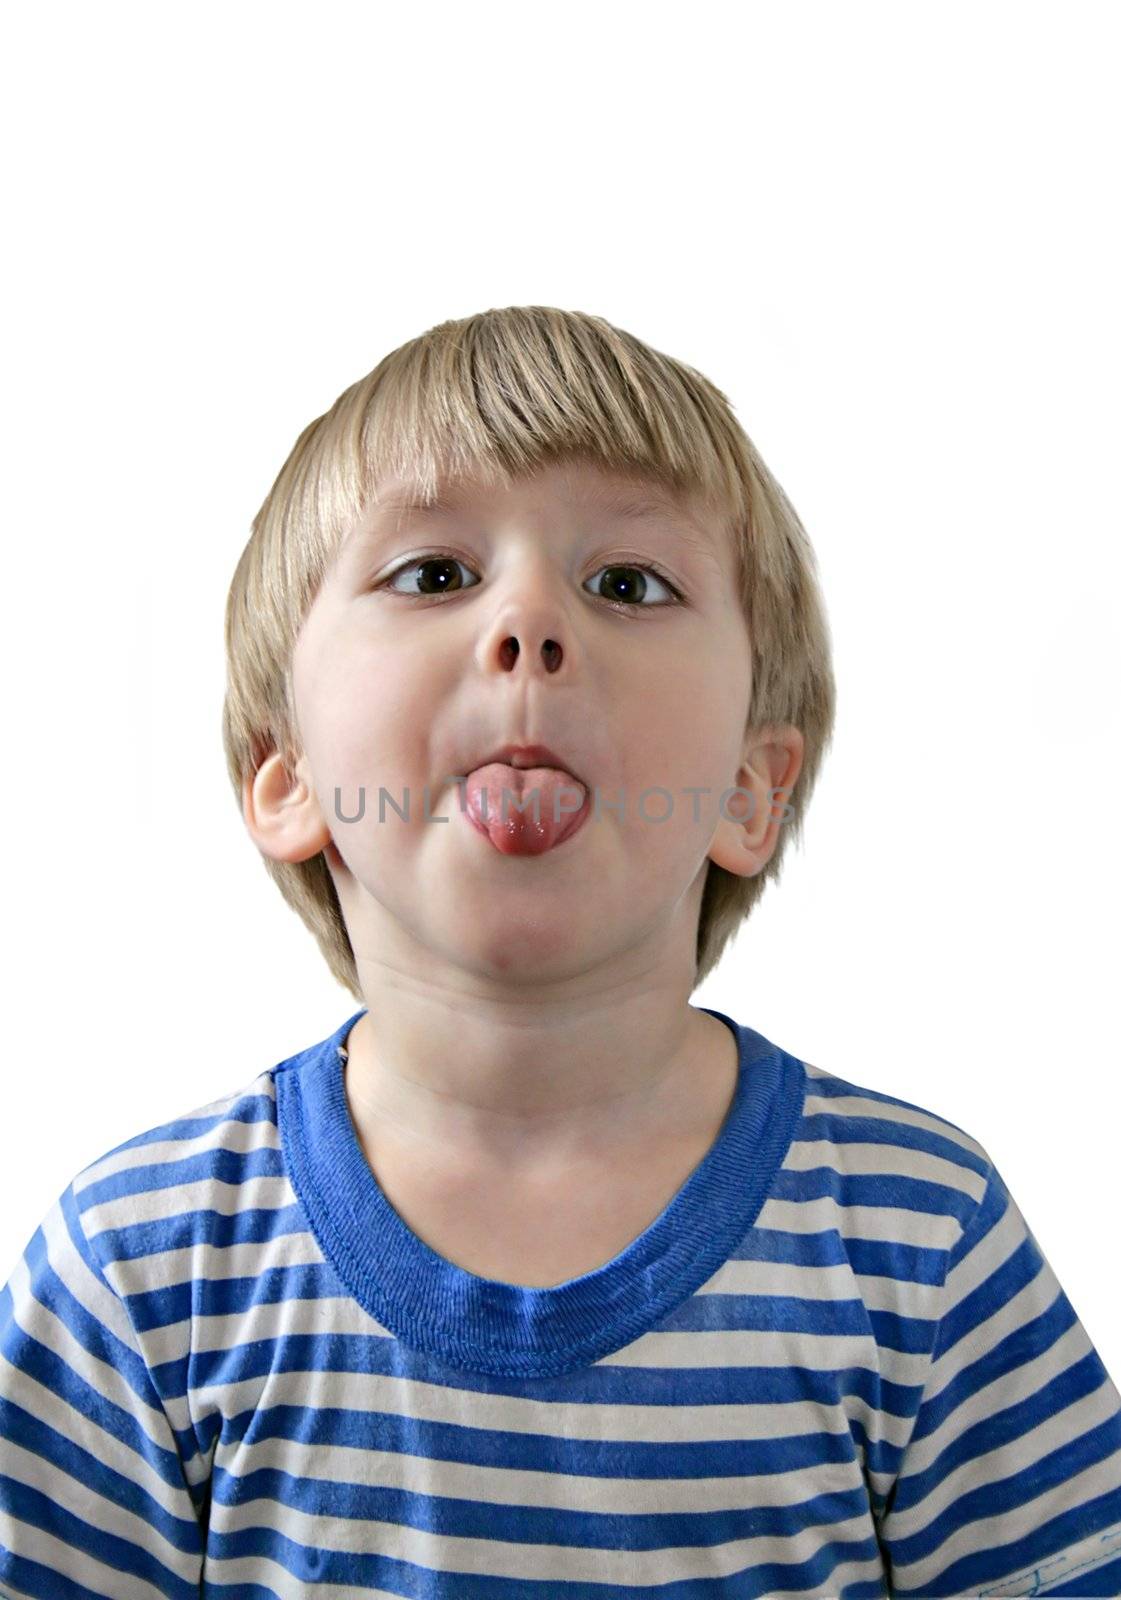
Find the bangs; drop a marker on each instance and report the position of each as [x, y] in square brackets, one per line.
[498, 395]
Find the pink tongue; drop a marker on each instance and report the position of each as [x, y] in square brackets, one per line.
[537, 811]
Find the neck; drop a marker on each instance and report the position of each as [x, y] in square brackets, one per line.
[531, 1088]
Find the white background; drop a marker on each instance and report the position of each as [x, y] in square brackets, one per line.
[886, 232]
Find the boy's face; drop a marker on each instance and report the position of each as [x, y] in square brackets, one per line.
[410, 670]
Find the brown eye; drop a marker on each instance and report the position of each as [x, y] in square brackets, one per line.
[435, 575]
[627, 585]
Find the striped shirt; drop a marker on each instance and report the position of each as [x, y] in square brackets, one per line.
[835, 1365]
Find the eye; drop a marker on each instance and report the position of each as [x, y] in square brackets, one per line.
[620, 580]
[435, 574]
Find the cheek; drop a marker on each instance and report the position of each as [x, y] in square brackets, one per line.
[371, 734]
[681, 718]
[344, 701]
[683, 731]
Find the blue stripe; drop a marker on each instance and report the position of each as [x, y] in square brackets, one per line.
[1014, 1490]
[1004, 1357]
[898, 1191]
[999, 1428]
[598, 1385]
[42, 1512]
[227, 1297]
[460, 1518]
[253, 1225]
[1057, 1534]
[34, 1578]
[844, 1130]
[540, 1452]
[1099, 1580]
[221, 1165]
[247, 1108]
[20, 1427]
[404, 1578]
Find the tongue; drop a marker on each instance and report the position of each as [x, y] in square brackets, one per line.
[538, 810]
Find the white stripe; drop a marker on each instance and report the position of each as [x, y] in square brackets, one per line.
[1014, 1523]
[506, 1486]
[241, 1138]
[246, 1571]
[1076, 1561]
[867, 1159]
[987, 1256]
[72, 1424]
[858, 1105]
[381, 1398]
[1006, 1389]
[1024, 1308]
[79, 1566]
[512, 1560]
[76, 1275]
[83, 1500]
[824, 1285]
[262, 1088]
[764, 1348]
[41, 1324]
[621, 1423]
[258, 1570]
[881, 1224]
[215, 1263]
[1006, 1459]
[817, 1285]
[208, 1194]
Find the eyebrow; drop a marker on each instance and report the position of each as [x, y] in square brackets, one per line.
[409, 503]
[632, 504]
[629, 503]
[623, 504]
[637, 504]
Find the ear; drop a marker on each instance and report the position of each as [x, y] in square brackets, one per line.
[282, 812]
[747, 831]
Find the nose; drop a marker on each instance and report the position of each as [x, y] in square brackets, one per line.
[511, 647]
[528, 625]
[526, 628]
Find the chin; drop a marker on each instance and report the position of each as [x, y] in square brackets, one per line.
[528, 954]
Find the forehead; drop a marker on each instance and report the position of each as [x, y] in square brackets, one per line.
[587, 487]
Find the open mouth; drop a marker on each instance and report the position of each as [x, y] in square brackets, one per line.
[525, 811]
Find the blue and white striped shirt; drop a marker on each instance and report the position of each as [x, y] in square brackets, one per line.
[835, 1365]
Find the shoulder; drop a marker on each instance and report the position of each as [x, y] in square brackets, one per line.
[164, 1189]
[193, 1195]
[175, 1225]
[883, 1166]
[203, 1196]
[124, 1257]
[157, 1188]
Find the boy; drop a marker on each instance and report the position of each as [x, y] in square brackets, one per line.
[531, 1279]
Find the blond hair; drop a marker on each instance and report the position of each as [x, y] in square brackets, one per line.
[496, 396]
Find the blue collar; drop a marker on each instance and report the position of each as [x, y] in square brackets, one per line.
[481, 1324]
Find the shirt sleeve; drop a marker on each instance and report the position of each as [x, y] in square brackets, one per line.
[1010, 1483]
[93, 1496]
